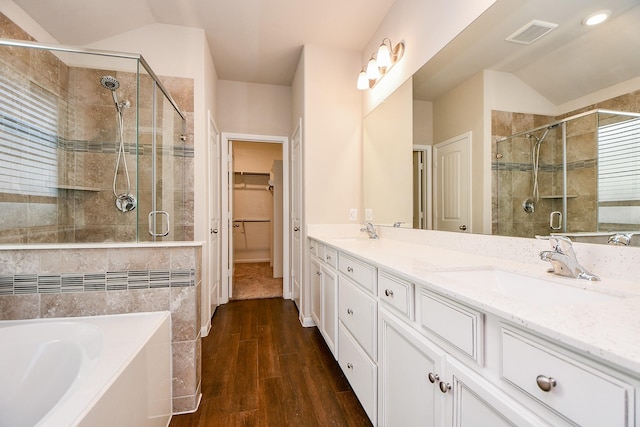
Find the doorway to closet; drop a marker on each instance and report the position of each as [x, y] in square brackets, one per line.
[256, 218]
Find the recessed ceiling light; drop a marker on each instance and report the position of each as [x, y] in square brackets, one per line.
[596, 18]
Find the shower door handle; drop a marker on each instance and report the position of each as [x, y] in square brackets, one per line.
[558, 215]
[152, 221]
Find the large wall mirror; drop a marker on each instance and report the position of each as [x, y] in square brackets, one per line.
[533, 114]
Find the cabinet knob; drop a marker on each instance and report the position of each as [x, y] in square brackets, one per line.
[388, 292]
[213, 231]
[545, 383]
[350, 269]
[296, 228]
[444, 387]
[463, 227]
[328, 257]
[318, 273]
[433, 377]
[349, 366]
[349, 311]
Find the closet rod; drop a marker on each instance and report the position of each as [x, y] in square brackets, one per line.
[252, 173]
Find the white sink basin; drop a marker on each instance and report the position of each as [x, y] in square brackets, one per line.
[526, 288]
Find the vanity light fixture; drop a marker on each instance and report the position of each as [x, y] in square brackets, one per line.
[380, 64]
[596, 18]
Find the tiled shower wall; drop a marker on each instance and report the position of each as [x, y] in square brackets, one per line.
[91, 281]
[512, 178]
[82, 209]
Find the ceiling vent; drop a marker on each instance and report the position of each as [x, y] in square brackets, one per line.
[531, 32]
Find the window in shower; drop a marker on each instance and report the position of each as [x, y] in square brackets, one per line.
[28, 139]
[618, 174]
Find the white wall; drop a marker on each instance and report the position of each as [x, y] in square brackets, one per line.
[388, 150]
[332, 135]
[422, 122]
[459, 111]
[425, 27]
[254, 108]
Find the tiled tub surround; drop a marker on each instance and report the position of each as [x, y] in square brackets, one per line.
[84, 280]
[606, 330]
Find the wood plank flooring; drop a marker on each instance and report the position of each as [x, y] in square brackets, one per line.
[260, 367]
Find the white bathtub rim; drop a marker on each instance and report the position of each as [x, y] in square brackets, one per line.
[117, 354]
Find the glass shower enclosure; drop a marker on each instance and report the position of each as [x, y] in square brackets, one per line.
[576, 176]
[92, 148]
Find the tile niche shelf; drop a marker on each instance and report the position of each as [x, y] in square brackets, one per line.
[559, 196]
[76, 188]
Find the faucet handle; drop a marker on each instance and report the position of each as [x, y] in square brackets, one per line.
[561, 244]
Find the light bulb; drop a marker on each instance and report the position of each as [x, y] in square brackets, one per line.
[372, 69]
[597, 18]
[363, 81]
[383, 56]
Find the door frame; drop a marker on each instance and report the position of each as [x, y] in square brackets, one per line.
[226, 220]
[209, 269]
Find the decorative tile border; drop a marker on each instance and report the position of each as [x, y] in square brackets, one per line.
[524, 167]
[23, 284]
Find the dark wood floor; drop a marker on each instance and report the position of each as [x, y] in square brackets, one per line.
[260, 367]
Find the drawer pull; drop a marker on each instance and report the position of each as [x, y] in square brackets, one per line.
[388, 292]
[349, 365]
[350, 269]
[349, 311]
[328, 257]
[433, 377]
[444, 387]
[545, 383]
[318, 273]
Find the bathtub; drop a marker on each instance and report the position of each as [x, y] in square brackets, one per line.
[86, 371]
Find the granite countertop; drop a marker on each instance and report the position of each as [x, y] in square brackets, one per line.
[603, 321]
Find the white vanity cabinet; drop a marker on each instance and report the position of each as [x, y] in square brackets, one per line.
[357, 337]
[324, 292]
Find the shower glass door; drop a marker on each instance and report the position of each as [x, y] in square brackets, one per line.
[529, 170]
[164, 154]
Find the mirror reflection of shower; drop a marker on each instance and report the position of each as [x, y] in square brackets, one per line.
[529, 204]
[125, 201]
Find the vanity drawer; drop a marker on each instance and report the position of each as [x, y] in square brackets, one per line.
[396, 293]
[458, 325]
[321, 249]
[358, 314]
[359, 370]
[358, 271]
[582, 394]
[331, 256]
[313, 247]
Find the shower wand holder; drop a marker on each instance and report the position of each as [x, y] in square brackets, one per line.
[529, 206]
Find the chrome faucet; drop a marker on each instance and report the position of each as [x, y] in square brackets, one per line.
[620, 239]
[563, 259]
[369, 228]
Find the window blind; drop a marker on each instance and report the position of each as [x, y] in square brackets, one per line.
[619, 161]
[28, 138]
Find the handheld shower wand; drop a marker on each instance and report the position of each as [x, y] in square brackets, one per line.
[126, 201]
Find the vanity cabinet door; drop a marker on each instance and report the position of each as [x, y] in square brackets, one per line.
[409, 371]
[316, 291]
[329, 318]
[472, 401]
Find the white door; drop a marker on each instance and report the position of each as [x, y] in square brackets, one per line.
[452, 185]
[214, 217]
[295, 223]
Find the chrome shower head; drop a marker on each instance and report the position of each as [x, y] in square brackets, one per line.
[110, 83]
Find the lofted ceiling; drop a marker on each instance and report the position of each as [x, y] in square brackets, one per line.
[255, 41]
[570, 61]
